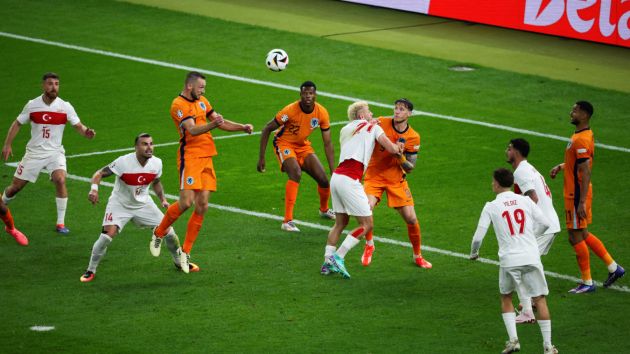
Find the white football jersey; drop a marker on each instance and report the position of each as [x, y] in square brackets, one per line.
[513, 218]
[47, 124]
[526, 178]
[357, 140]
[132, 180]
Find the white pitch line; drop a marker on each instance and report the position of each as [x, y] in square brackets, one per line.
[327, 228]
[287, 87]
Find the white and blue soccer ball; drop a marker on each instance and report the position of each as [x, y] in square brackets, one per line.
[277, 60]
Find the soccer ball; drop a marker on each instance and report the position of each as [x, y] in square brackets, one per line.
[277, 60]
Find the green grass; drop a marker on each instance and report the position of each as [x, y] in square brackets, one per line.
[259, 289]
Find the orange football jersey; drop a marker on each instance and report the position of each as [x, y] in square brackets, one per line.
[296, 126]
[581, 147]
[199, 110]
[384, 166]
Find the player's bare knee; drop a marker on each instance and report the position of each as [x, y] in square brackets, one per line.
[110, 230]
[201, 209]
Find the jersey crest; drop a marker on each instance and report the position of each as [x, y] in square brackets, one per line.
[202, 105]
[314, 123]
[284, 118]
[180, 114]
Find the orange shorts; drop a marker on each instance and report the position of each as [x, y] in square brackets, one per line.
[287, 151]
[574, 222]
[197, 173]
[398, 194]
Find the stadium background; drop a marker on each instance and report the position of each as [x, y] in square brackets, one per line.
[259, 289]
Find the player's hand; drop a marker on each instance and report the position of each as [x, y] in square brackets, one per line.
[261, 165]
[248, 128]
[165, 203]
[90, 133]
[93, 196]
[474, 256]
[582, 210]
[554, 171]
[6, 152]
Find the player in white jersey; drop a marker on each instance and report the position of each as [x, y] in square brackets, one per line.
[516, 220]
[357, 139]
[130, 201]
[48, 115]
[528, 181]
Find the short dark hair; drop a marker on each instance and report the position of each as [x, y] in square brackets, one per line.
[504, 177]
[308, 84]
[405, 102]
[50, 75]
[521, 145]
[193, 75]
[586, 107]
[141, 135]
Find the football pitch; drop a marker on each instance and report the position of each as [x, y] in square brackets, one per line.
[259, 289]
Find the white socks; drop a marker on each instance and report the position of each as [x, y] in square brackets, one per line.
[545, 329]
[509, 319]
[62, 203]
[370, 242]
[347, 245]
[98, 251]
[6, 199]
[328, 251]
[612, 267]
[172, 243]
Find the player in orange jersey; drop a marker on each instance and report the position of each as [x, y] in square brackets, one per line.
[387, 173]
[578, 193]
[194, 118]
[294, 152]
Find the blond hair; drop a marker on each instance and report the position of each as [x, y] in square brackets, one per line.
[353, 109]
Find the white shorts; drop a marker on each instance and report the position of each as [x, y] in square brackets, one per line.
[348, 196]
[117, 214]
[532, 276]
[544, 243]
[29, 168]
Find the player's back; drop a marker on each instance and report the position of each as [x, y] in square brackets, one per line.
[383, 165]
[296, 125]
[357, 140]
[193, 146]
[526, 178]
[513, 218]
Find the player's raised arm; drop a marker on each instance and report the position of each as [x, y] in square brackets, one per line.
[96, 180]
[85, 131]
[231, 126]
[13, 130]
[329, 149]
[264, 139]
[159, 191]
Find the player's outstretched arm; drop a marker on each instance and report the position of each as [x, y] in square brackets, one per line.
[159, 191]
[85, 131]
[13, 130]
[329, 149]
[96, 180]
[231, 126]
[264, 139]
[555, 170]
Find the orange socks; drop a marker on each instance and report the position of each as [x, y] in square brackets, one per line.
[598, 248]
[172, 213]
[369, 236]
[583, 259]
[194, 225]
[324, 195]
[414, 237]
[291, 191]
[8, 219]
